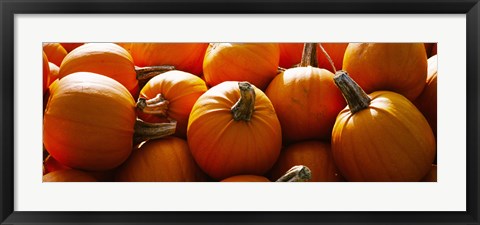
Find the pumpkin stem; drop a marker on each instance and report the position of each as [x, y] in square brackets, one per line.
[146, 73]
[309, 55]
[328, 57]
[146, 131]
[243, 108]
[356, 98]
[156, 106]
[296, 174]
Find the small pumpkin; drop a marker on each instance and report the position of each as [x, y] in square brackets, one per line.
[170, 95]
[102, 58]
[53, 74]
[397, 67]
[46, 73]
[187, 57]
[89, 122]
[252, 62]
[69, 175]
[234, 130]
[306, 99]
[167, 159]
[316, 155]
[55, 52]
[427, 101]
[381, 136]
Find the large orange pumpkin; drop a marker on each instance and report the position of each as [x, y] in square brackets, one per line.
[316, 155]
[380, 137]
[306, 101]
[186, 57]
[246, 178]
[252, 62]
[167, 159]
[69, 175]
[234, 130]
[397, 67]
[171, 96]
[55, 52]
[427, 101]
[103, 58]
[89, 122]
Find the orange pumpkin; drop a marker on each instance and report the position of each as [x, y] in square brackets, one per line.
[246, 178]
[53, 74]
[70, 45]
[168, 159]
[171, 95]
[69, 175]
[397, 67]
[336, 51]
[432, 175]
[55, 52]
[46, 72]
[186, 57]
[252, 62]
[51, 165]
[427, 101]
[106, 59]
[89, 122]
[316, 155]
[380, 137]
[233, 130]
[306, 101]
[290, 54]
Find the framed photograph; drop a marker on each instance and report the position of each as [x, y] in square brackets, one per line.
[402, 145]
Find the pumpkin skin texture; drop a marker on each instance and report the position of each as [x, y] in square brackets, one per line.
[69, 175]
[89, 122]
[46, 72]
[255, 63]
[432, 175]
[397, 67]
[51, 165]
[390, 140]
[55, 52]
[427, 101]
[307, 103]
[186, 57]
[225, 147]
[181, 90]
[166, 159]
[246, 178]
[290, 54]
[106, 59]
[53, 74]
[316, 155]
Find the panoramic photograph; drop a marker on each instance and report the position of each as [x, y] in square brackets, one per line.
[239, 112]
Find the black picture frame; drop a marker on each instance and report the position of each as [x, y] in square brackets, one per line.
[11, 7]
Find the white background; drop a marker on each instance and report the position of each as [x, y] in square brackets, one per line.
[449, 193]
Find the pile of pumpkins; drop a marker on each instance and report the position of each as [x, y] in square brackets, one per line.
[241, 112]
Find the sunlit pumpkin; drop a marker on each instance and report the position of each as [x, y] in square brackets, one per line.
[69, 175]
[306, 100]
[381, 136]
[316, 155]
[55, 52]
[53, 74]
[427, 101]
[397, 67]
[186, 57]
[233, 130]
[246, 178]
[171, 95]
[89, 122]
[256, 63]
[167, 159]
[106, 59]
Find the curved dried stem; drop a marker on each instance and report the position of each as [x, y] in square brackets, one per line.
[298, 173]
[328, 57]
[356, 98]
[244, 107]
[146, 131]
